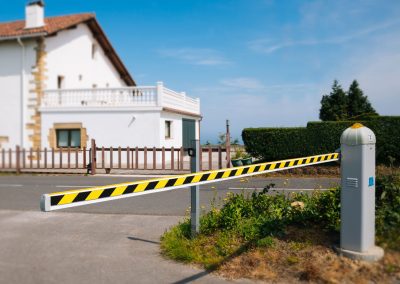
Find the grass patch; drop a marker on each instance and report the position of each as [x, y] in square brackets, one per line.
[265, 236]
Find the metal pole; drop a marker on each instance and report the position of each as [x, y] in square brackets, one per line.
[194, 190]
[228, 145]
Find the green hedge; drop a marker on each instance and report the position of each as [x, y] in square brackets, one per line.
[320, 137]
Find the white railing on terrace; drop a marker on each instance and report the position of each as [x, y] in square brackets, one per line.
[157, 96]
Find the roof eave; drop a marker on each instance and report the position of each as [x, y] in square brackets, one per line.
[28, 36]
[112, 54]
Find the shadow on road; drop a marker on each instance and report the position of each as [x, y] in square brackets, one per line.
[143, 240]
[192, 278]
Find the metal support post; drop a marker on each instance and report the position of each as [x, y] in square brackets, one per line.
[194, 190]
[357, 231]
[228, 145]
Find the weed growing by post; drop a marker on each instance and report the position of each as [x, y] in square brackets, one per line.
[287, 230]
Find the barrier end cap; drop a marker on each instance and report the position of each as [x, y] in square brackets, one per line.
[357, 125]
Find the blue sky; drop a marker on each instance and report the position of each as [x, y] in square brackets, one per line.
[256, 62]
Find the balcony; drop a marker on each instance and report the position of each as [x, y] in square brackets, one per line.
[142, 96]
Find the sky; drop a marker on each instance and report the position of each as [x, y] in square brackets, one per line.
[258, 63]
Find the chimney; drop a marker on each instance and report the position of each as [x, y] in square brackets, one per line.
[34, 15]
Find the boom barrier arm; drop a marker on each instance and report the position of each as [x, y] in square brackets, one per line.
[72, 198]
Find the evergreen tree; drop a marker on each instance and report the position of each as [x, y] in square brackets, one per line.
[334, 106]
[358, 103]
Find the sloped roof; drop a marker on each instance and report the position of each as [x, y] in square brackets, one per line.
[53, 25]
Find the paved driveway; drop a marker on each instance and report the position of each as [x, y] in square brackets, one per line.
[112, 242]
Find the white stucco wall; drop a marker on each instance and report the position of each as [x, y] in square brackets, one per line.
[176, 139]
[109, 127]
[12, 117]
[176, 130]
[69, 54]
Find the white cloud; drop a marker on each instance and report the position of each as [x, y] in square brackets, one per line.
[245, 110]
[260, 105]
[243, 83]
[379, 78]
[196, 56]
[269, 46]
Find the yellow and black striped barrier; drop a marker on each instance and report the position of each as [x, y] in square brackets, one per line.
[65, 199]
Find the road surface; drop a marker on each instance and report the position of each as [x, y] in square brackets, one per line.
[111, 242]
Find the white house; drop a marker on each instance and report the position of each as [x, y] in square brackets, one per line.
[62, 83]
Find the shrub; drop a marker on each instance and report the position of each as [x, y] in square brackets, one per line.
[254, 220]
[387, 198]
[272, 143]
[320, 137]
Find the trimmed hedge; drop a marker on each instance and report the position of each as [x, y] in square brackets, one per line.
[271, 144]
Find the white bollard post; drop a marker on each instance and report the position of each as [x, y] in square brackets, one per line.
[357, 232]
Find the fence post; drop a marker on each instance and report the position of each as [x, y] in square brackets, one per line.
[194, 190]
[119, 157]
[163, 158]
[145, 158]
[128, 164]
[93, 157]
[357, 231]
[228, 145]
[154, 158]
[182, 155]
[172, 158]
[17, 162]
[219, 157]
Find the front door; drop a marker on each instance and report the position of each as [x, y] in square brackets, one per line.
[188, 132]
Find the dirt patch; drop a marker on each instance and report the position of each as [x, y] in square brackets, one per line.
[307, 255]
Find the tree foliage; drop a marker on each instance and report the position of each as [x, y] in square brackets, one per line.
[358, 103]
[334, 106]
[340, 105]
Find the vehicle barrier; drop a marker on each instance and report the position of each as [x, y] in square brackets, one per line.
[357, 211]
[72, 198]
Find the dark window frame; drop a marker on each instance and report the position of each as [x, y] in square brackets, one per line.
[69, 138]
[60, 82]
[169, 123]
[94, 51]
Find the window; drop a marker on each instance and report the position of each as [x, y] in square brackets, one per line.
[60, 82]
[168, 129]
[3, 139]
[94, 51]
[67, 134]
[68, 138]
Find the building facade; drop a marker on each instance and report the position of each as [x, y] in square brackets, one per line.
[62, 83]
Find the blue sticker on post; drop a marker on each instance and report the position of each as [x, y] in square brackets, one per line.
[371, 181]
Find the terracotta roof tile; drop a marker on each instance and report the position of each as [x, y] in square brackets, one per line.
[56, 24]
[52, 25]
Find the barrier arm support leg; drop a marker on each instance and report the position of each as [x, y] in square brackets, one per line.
[194, 190]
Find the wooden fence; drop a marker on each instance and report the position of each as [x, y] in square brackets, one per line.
[127, 158]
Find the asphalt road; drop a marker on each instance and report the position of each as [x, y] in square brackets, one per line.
[23, 193]
[110, 242]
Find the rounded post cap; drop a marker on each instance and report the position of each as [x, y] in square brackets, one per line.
[358, 134]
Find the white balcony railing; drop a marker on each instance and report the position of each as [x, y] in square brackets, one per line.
[147, 96]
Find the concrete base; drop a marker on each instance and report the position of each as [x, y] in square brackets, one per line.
[373, 254]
